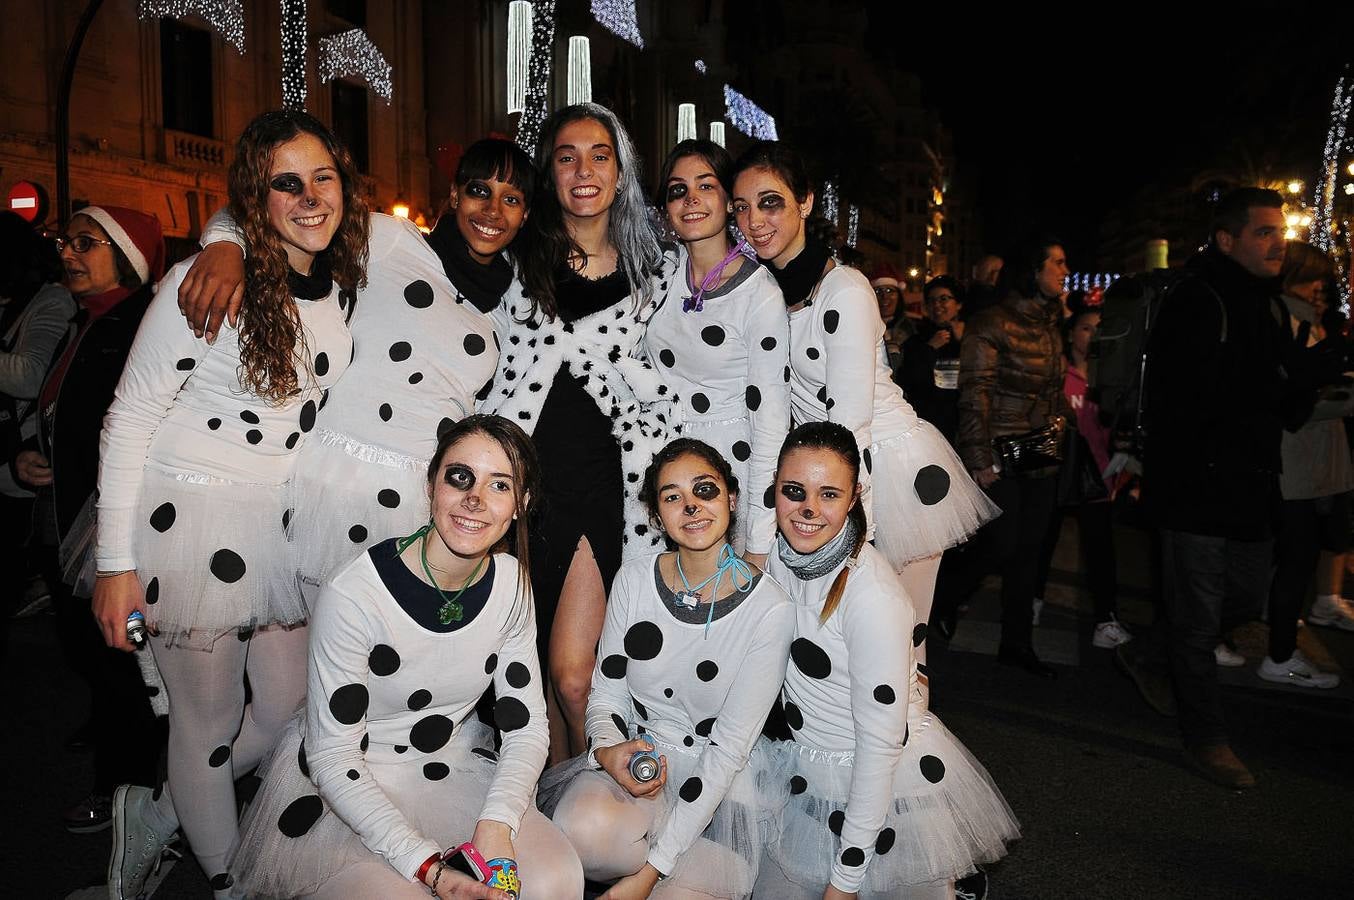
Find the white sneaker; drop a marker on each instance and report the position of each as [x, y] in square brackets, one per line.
[1038, 607]
[1226, 656]
[1334, 612]
[137, 841]
[1298, 670]
[1111, 634]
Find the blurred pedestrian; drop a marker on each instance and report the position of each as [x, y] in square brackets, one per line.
[929, 373]
[888, 293]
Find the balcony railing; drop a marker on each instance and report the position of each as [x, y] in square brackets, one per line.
[194, 151]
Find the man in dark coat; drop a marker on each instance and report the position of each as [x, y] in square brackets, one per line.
[1223, 377]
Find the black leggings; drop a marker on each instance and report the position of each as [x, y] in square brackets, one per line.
[1095, 534]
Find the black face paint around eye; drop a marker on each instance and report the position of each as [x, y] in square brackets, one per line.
[793, 492]
[287, 184]
[676, 192]
[458, 476]
[706, 490]
[775, 201]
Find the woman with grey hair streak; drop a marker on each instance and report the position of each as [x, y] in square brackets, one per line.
[591, 274]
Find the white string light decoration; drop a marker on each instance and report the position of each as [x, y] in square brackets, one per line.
[717, 133]
[1321, 231]
[852, 225]
[686, 122]
[294, 54]
[618, 17]
[538, 75]
[748, 117]
[829, 201]
[226, 16]
[353, 53]
[519, 52]
[580, 69]
[700, 66]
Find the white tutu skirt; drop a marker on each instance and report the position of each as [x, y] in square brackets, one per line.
[291, 842]
[922, 497]
[946, 816]
[213, 557]
[349, 496]
[723, 436]
[723, 861]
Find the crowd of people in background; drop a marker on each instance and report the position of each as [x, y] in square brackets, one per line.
[554, 549]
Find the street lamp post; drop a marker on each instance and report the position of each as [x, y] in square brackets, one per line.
[63, 112]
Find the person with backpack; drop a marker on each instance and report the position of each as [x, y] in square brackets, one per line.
[1223, 377]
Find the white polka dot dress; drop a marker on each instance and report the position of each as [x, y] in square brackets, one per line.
[420, 354]
[873, 799]
[194, 471]
[919, 498]
[728, 363]
[394, 761]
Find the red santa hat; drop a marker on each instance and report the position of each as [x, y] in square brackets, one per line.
[886, 276]
[138, 235]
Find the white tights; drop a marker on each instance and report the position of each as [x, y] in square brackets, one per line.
[547, 864]
[771, 882]
[609, 829]
[215, 737]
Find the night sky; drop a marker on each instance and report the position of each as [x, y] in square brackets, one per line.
[1069, 115]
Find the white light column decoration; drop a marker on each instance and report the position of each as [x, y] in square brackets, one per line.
[1321, 231]
[852, 225]
[294, 54]
[580, 70]
[748, 117]
[519, 53]
[829, 201]
[538, 75]
[226, 16]
[717, 133]
[353, 53]
[618, 17]
[686, 122]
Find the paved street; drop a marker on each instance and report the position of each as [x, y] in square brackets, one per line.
[1095, 776]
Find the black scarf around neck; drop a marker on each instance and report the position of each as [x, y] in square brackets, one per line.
[316, 285]
[483, 285]
[801, 274]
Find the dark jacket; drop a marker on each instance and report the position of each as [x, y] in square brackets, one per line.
[917, 375]
[1011, 368]
[1213, 403]
[68, 429]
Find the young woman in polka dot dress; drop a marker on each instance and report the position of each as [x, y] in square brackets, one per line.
[196, 454]
[389, 767]
[919, 500]
[697, 680]
[571, 374]
[878, 799]
[423, 346]
[722, 338]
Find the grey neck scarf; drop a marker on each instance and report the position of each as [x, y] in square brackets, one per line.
[808, 566]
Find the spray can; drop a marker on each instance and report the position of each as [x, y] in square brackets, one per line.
[136, 627]
[645, 765]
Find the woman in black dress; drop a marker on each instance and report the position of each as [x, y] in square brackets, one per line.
[570, 374]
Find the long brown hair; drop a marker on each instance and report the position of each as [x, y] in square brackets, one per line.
[837, 439]
[269, 322]
[526, 476]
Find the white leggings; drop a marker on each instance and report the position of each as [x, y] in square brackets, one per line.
[771, 882]
[547, 864]
[919, 579]
[214, 737]
[610, 831]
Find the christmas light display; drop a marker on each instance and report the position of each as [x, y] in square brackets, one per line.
[580, 70]
[700, 66]
[538, 75]
[748, 117]
[828, 202]
[686, 122]
[618, 17]
[294, 54]
[226, 16]
[717, 133]
[519, 52]
[1321, 231]
[852, 225]
[353, 53]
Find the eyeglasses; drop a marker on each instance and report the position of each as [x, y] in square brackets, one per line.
[80, 243]
[886, 290]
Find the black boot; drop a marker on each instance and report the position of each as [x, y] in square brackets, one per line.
[1024, 658]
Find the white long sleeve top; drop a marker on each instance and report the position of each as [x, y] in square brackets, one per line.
[730, 360]
[181, 407]
[687, 688]
[847, 689]
[386, 695]
[421, 351]
[839, 370]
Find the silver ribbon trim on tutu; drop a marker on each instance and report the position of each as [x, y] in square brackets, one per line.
[370, 453]
[715, 423]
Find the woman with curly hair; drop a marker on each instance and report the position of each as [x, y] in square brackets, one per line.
[196, 453]
[572, 375]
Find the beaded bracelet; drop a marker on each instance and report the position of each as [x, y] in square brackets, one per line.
[441, 867]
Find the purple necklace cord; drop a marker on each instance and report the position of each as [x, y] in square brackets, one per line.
[696, 302]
